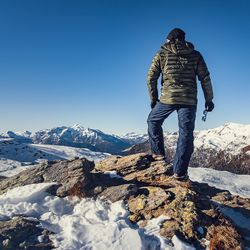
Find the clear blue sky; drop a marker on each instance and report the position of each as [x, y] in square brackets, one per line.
[66, 62]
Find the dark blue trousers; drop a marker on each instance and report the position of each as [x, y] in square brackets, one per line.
[185, 144]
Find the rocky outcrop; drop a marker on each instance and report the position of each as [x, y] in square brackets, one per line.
[2, 177]
[20, 233]
[193, 211]
[70, 177]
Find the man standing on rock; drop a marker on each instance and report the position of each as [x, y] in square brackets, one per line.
[179, 65]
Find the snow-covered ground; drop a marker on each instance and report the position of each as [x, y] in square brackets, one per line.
[234, 183]
[16, 156]
[83, 223]
[93, 224]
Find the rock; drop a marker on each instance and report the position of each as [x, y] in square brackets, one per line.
[2, 177]
[124, 165]
[138, 167]
[148, 199]
[20, 233]
[224, 237]
[120, 192]
[187, 205]
[169, 228]
[71, 176]
[176, 203]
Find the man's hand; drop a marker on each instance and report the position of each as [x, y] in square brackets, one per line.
[153, 103]
[209, 106]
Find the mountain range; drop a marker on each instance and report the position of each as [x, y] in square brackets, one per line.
[226, 147]
[80, 137]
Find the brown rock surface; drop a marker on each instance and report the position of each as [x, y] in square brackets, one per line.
[190, 208]
[67, 174]
[20, 233]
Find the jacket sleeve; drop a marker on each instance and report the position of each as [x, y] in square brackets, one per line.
[204, 78]
[152, 77]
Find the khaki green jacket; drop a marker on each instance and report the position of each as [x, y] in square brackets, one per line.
[179, 65]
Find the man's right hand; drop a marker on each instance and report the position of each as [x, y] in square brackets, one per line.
[153, 103]
[209, 106]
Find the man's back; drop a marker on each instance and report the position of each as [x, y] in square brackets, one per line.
[179, 64]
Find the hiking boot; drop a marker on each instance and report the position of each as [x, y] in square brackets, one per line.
[169, 170]
[178, 177]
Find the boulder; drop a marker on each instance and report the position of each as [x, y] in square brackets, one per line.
[120, 192]
[70, 176]
[20, 233]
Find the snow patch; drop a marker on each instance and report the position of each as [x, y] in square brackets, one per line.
[83, 223]
[235, 184]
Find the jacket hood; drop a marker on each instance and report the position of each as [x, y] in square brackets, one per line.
[178, 48]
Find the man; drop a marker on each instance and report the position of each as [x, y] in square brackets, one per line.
[178, 64]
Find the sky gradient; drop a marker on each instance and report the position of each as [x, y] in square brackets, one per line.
[68, 62]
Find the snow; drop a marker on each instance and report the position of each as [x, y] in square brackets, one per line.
[83, 223]
[66, 152]
[9, 167]
[134, 138]
[113, 174]
[238, 218]
[17, 156]
[236, 184]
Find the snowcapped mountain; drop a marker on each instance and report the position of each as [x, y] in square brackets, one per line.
[80, 137]
[75, 136]
[20, 136]
[225, 148]
[134, 138]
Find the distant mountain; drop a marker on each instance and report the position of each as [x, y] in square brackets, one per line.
[80, 137]
[224, 148]
[20, 136]
[134, 138]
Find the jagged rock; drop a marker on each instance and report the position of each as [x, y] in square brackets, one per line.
[176, 203]
[125, 165]
[2, 177]
[71, 176]
[119, 192]
[223, 237]
[188, 206]
[169, 228]
[148, 199]
[138, 167]
[20, 233]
